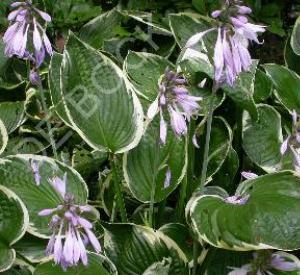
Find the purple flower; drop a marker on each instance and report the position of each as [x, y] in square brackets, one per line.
[249, 175]
[174, 98]
[168, 178]
[292, 142]
[238, 200]
[280, 263]
[24, 27]
[34, 78]
[263, 265]
[244, 270]
[35, 170]
[231, 55]
[71, 232]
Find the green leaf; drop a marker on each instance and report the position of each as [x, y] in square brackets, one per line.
[17, 174]
[32, 248]
[292, 61]
[99, 100]
[144, 71]
[180, 234]
[220, 144]
[55, 90]
[260, 223]
[243, 90]
[219, 261]
[295, 38]
[262, 139]
[97, 264]
[159, 268]
[3, 136]
[225, 176]
[10, 70]
[149, 160]
[185, 25]
[100, 28]
[12, 115]
[24, 145]
[263, 86]
[287, 85]
[148, 19]
[134, 248]
[14, 221]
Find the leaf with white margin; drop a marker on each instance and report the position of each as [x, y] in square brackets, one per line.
[16, 173]
[12, 115]
[134, 248]
[54, 86]
[159, 268]
[221, 139]
[287, 85]
[4, 137]
[97, 264]
[14, 221]
[144, 71]
[185, 25]
[32, 248]
[98, 99]
[295, 38]
[260, 223]
[262, 139]
[148, 159]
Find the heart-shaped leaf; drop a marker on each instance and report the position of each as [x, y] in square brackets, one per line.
[287, 85]
[99, 100]
[14, 221]
[252, 219]
[262, 139]
[134, 248]
[12, 115]
[185, 25]
[144, 70]
[17, 174]
[101, 28]
[148, 163]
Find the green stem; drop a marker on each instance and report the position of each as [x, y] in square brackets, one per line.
[118, 189]
[189, 173]
[207, 139]
[46, 111]
[195, 256]
[204, 166]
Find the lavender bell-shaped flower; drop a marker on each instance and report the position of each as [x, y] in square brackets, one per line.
[292, 142]
[180, 106]
[25, 32]
[174, 100]
[231, 55]
[71, 232]
[274, 262]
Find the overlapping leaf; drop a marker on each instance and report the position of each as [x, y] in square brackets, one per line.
[14, 221]
[98, 99]
[17, 174]
[261, 222]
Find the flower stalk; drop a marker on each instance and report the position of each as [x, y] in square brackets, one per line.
[118, 189]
